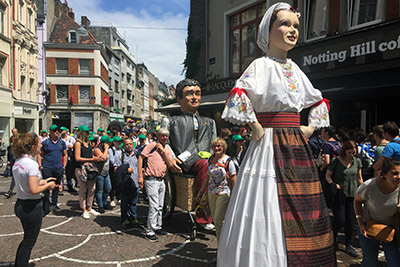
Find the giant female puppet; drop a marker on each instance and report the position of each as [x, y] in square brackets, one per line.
[277, 215]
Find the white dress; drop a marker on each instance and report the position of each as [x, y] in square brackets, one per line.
[252, 234]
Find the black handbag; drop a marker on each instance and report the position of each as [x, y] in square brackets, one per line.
[45, 205]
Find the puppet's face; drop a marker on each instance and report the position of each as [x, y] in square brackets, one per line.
[285, 31]
[191, 97]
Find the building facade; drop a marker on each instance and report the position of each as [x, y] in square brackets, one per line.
[6, 89]
[24, 67]
[77, 76]
[349, 49]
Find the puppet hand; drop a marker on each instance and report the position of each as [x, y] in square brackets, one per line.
[257, 131]
[175, 167]
[307, 130]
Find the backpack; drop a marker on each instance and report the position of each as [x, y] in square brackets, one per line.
[210, 160]
[366, 154]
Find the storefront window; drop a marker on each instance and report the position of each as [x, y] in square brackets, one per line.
[83, 119]
[316, 18]
[365, 12]
[243, 37]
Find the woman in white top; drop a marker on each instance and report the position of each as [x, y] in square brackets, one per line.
[377, 199]
[29, 184]
[221, 177]
[277, 215]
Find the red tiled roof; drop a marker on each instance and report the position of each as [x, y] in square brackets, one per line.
[61, 28]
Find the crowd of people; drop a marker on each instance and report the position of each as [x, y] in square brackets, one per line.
[269, 184]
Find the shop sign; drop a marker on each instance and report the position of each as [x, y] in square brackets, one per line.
[18, 110]
[220, 86]
[357, 50]
[367, 46]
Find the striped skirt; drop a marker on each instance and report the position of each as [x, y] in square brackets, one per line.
[306, 223]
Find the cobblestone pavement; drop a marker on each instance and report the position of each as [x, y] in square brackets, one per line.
[66, 239]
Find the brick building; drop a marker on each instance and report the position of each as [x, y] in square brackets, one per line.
[349, 49]
[77, 76]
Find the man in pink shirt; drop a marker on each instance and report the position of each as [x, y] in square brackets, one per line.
[153, 164]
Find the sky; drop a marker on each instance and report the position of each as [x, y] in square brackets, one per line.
[162, 51]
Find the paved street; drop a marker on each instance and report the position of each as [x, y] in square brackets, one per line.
[66, 239]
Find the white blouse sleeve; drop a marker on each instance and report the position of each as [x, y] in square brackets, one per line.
[319, 115]
[238, 107]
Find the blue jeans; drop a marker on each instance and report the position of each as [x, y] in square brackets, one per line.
[370, 249]
[103, 188]
[128, 204]
[56, 173]
[30, 213]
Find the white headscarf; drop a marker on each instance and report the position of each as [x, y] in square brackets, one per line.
[263, 28]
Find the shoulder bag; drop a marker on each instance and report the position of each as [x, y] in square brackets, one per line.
[383, 232]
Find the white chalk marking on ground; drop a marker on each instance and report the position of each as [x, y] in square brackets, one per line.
[59, 224]
[12, 234]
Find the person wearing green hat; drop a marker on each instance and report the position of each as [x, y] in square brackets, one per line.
[126, 168]
[52, 162]
[43, 135]
[83, 153]
[69, 169]
[103, 182]
[237, 149]
[114, 152]
[100, 132]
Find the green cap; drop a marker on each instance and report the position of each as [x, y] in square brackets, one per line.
[83, 128]
[237, 137]
[100, 130]
[62, 128]
[91, 138]
[44, 131]
[142, 136]
[104, 139]
[91, 133]
[117, 139]
[108, 132]
[53, 127]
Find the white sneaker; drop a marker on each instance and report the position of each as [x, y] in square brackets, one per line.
[209, 226]
[112, 204]
[86, 215]
[93, 212]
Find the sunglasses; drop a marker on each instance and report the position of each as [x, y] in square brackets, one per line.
[216, 146]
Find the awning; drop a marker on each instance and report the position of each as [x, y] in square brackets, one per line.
[206, 101]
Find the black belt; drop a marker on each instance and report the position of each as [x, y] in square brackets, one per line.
[154, 178]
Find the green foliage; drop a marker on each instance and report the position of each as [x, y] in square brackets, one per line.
[167, 102]
[192, 54]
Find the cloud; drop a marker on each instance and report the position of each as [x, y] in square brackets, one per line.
[162, 51]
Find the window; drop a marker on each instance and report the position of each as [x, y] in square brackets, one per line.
[365, 12]
[21, 6]
[2, 18]
[243, 37]
[316, 18]
[29, 19]
[84, 66]
[73, 37]
[116, 86]
[62, 93]
[84, 94]
[116, 64]
[2, 70]
[62, 65]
